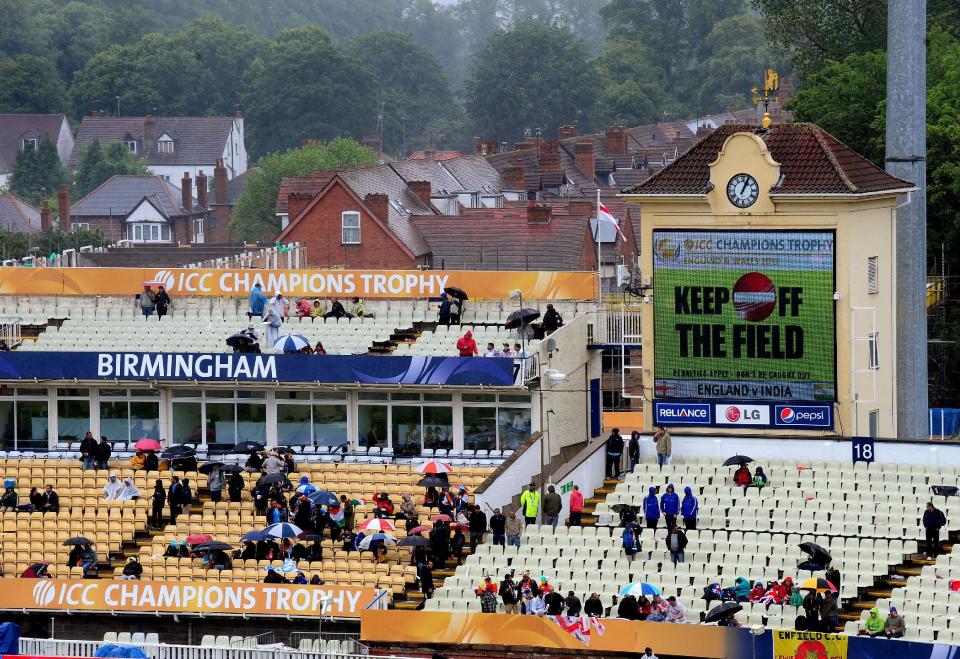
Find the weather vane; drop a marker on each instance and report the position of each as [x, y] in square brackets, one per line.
[771, 85]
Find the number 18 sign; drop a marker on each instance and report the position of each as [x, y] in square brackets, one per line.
[863, 449]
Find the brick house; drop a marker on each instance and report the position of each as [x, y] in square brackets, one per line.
[27, 131]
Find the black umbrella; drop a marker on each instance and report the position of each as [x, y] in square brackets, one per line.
[324, 498]
[240, 340]
[231, 469]
[247, 446]
[432, 481]
[458, 293]
[521, 317]
[77, 541]
[313, 537]
[284, 449]
[207, 467]
[274, 478]
[944, 490]
[818, 554]
[620, 507]
[413, 541]
[721, 611]
[216, 545]
[737, 460]
[178, 453]
[811, 566]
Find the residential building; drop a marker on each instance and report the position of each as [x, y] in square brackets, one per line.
[18, 215]
[27, 131]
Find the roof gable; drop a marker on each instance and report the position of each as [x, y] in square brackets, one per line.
[14, 127]
[18, 215]
[199, 140]
[119, 195]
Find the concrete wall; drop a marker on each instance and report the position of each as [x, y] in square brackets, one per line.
[524, 468]
[588, 475]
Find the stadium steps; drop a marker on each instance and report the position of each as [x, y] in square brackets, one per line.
[414, 598]
[599, 496]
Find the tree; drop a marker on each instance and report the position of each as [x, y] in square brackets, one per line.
[254, 217]
[411, 84]
[38, 172]
[30, 84]
[96, 164]
[634, 88]
[302, 86]
[530, 76]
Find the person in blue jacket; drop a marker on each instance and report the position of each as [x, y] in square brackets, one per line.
[670, 505]
[258, 300]
[689, 509]
[651, 508]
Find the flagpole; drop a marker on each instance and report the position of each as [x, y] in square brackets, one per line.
[599, 262]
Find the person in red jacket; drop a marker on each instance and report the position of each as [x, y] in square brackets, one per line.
[742, 477]
[466, 346]
[576, 506]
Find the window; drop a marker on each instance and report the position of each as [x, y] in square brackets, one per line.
[874, 356]
[497, 422]
[219, 418]
[165, 146]
[129, 415]
[479, 428]
[873, 422]
[300, 423]
[372, 421]
[80, 225]
[873, 285]
[23, 423]
[30, 144]
[350, 227]
[148, 233]
[131, 145]
[73, 414]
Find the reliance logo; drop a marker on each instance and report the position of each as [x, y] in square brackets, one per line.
[694, 413]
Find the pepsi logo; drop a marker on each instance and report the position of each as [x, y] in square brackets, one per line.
[787, 415]
[754, 297]
[733, 414]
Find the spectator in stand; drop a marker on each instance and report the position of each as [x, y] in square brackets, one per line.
[466, 346]
[103, 453]
[88, 451]
[741, 590]
[689, 509]
[676, 543]
[147, 301]
[457, 543]
[163, 302]
[874, 625]
[506, 351]
[318, 309]
[235, 487]
[113, 487]
[933, 521]
[319, 349]
[254, 462]
[349, 515]
[530, 504]
[573, 604]
[812, 604]
[675, 612]
[426, 580]
[576, 506]
[357, 309]
[551, 320]
[648, 654]
[759, 478]
[132, 570]
[628, 515]
[758, 591]
[151, 462]
[487, 592]
[186, 495]
[9, 501]
[337, 310]
[498, 524]
[664, 446]
[554, 603]
[593, 607]
[456, 310]
[651, 508]
[552, 505]
[51, 501]
[658, 609]
[258, 300]
[491, 351]
[36, 500]
[274, 464]
[829, 614]
[670, 505]
[273, 319]
[138, 460]
[304, 308]
[536, 605]
[742, 477]
[508, 593]
[614, 451]
[478, 527]
[173, 498]
[514, 529]
[627, 609]
[894, 627]
[631, 540]
[88, 559]
[129, 492]
[633, 450]
[444, 315]
[215, 485]
[159, 500]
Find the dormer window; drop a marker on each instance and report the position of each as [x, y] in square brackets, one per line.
[165, 144]
[131, 145]
[30, 144]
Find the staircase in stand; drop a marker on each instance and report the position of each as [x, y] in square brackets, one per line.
[413, 597]
[589, 517]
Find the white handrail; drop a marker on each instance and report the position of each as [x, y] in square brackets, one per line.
[71, 648]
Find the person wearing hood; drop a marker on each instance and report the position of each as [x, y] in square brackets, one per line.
[132, 570]
[466, 346]
[631, 540]
[675, 612]
[742, 477]
[273, 318]
[258, 300]
[758, 591]
[741, 589]
[670, 505]
[614, 451]
[129, 491]
[651, 508]
[894, 627]
[112, 488]
[444, 316]
[759, 478]
[874, 624]
[633, 450]
[689, 509]
[235, 487]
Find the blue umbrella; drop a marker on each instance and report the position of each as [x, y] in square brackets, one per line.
[253, 536]
[388, 540]
[291, 342]
[282, 530]
[638, 589]
[324, 498]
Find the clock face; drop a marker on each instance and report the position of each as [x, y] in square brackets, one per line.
[743, 191]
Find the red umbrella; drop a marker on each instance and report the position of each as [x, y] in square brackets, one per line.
[440, 518]
[147, 444]
[419, 529]
[199, 538]
[377, 524]
[435, 467]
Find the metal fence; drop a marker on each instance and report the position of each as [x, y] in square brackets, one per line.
[10, 331]
[67, 648]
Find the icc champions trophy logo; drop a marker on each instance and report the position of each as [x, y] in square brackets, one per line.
[44, 592]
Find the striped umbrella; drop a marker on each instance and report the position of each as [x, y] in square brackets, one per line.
[639, 588]
[377, 524]
[282, 530]
[388, 540]
[435, 467]
[291, 342]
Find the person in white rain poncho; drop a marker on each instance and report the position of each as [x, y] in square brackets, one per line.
[273, 318]
[113, 487]
[129, 491]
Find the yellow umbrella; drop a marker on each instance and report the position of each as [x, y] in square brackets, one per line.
[817, 583]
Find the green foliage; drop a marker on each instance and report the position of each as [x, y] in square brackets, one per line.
[410, 83]
[531, 76]
[37, 173]
[253, 216]
[302, 87]
[96, 164]
[30, 84]
[16, 244]
[634, 89]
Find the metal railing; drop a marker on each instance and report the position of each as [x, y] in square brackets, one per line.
[10, 331]
[349, 643]
[614, 325]
[67, 648]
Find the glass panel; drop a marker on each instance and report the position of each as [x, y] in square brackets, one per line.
[113, 392]
[443, 397]
[293, 424]
[252, 422]
[144, 420]
[404, 396]
[73, 419]
[248, 393]
[371, 395]
[145, 393]
[292, 395]
[32, 424]
[372, 420]
[73, 392]
[329, 425]
[479, 428]
[513, 426]
[221, 427]
[438, 427]
[186, 393]
[5, 390]
[31, 392]
[511, 398]
[113, 420]
[479, 398]
[6, 424]
[406, 430]
[219, 393]
[187, 426]
[330, 395]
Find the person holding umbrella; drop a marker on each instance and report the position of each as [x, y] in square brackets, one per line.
[742, 477]
[443, 317]
[151, 462]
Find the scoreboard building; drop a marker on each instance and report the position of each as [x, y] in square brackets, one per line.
[767, 261]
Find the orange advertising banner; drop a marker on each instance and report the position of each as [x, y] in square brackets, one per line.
[499, 630]
[534, 285]
[186, 597]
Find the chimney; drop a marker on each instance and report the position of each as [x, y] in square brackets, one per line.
[149, 134]
[526, 144]
[63, 199]
[220, 183]
[202, 190]
[45, 214]
[513, 175]
[583, 152]
[296, 202]
[379, 205]
[550, 161]
[538, 213]
[567, 132]
[421, 189]
[616, 140]
[186, 193]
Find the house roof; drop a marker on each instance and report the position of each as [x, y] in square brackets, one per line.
[475, 174]
[13, 127]
[441, 180]
[811, 162]
[197, 140]
[119, 195]
[434, 155]
[18, 215]
[236, 186]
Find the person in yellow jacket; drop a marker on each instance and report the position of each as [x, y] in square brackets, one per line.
[530, 504]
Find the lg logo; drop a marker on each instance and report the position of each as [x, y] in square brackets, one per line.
[44, 592]
[733, 414]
